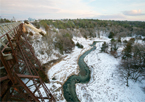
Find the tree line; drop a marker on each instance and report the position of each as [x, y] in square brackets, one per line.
[4, 20]
[132, 64]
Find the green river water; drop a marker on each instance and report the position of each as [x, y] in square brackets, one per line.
[83, 77]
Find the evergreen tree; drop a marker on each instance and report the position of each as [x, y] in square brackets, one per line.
[79, 45]
[104, 47]
[128, 49]
[114, 45]
[111, 35]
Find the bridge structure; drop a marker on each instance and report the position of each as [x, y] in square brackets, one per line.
[21, 74]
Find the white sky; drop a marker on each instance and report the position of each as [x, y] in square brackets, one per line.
[60, 9]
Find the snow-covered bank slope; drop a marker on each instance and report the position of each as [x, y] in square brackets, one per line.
[68, 65]
[43, 46]
[59, 73]
[105, 84]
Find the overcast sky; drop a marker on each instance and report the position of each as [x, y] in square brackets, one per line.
[60, 9]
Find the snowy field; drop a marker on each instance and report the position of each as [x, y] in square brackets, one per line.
[59, 73]
[105, 84]
[67, 67]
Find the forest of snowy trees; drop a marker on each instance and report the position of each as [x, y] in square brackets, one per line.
[59, 34]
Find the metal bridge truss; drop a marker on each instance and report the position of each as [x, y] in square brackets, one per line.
[20, 70]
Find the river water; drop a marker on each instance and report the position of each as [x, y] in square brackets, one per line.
[83, 77]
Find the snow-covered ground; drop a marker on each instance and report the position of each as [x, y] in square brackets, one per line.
[105, 84]
[68, 65]
[59, 73]
[40, 46]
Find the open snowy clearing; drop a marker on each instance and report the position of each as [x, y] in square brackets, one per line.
[105, 84]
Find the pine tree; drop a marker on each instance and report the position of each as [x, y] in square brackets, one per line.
[128, 49]
[104, 47]
[111, 35]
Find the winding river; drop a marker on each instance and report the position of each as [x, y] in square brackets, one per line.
[83, 77]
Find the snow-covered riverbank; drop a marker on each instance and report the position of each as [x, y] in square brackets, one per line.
[59, 73]
[106, 85]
